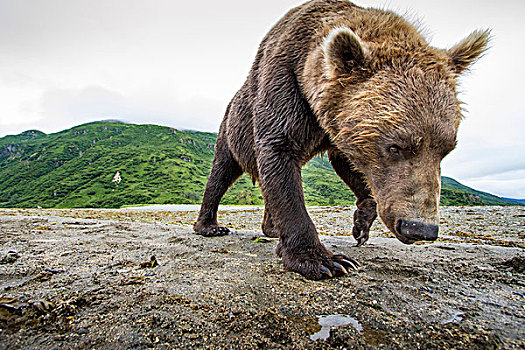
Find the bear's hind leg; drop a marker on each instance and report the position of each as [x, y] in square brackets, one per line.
[224, 172]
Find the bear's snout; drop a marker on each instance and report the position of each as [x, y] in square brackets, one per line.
[412, 231]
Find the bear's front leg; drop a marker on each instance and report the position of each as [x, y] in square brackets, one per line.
[366, 211]
[299, 245]
[364, 216]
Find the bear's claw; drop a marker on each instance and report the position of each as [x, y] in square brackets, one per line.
[338, 265]
[319, 265]
[213, 231]
[326, 271]
[340, 270]
[360, 238]
[349, 262]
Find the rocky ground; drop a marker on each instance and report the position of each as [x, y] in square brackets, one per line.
[140, 279]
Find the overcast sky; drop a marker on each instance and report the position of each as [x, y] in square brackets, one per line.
[178, 63]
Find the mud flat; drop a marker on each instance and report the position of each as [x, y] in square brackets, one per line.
[140, 279]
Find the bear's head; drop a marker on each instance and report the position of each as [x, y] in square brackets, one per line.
[398, 116]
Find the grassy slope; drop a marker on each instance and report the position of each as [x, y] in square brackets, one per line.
[75, 168]
[455, 193]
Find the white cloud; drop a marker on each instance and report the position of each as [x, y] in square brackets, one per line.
[507, 184]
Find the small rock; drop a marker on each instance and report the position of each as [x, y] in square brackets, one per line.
[10, 257]
[151, 263]
[517, 263]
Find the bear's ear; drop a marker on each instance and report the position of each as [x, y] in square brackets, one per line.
[343, 51]
[468, 50]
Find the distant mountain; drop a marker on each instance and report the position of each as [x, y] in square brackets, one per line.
[455, 193]
[112, 164]
[520, 201]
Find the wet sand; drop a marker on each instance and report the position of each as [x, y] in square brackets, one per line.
[135, 278]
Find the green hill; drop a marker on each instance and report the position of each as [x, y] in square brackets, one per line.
[156, 164]
[455, 193]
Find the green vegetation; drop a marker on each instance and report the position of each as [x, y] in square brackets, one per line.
[322, 186]
[454, 193]
[157, 165]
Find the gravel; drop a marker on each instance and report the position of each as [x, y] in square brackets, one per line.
[133, 278]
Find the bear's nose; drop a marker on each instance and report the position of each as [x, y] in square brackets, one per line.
[416, 231]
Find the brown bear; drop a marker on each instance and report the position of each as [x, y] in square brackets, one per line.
[362, 85]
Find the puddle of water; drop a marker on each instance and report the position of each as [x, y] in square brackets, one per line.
[326, 322]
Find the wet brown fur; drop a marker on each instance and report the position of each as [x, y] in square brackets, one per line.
[333, 77]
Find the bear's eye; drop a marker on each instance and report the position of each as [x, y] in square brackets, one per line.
[394, 150]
